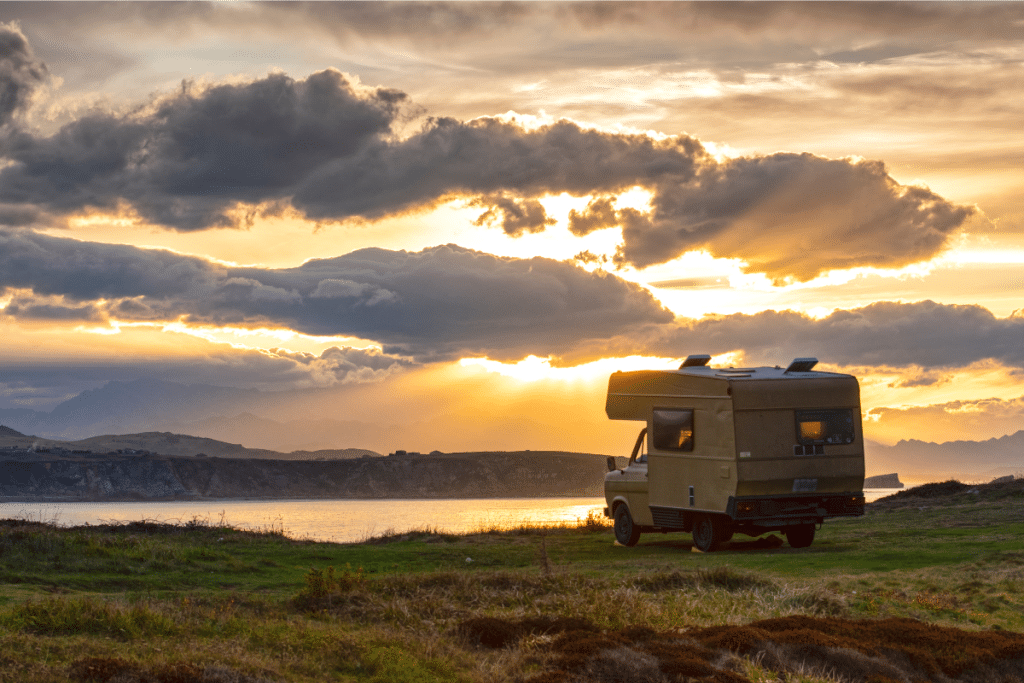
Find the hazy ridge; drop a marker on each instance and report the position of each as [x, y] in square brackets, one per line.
[185, 420]
[70, 476]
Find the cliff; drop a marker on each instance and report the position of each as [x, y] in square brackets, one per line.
[138, 477]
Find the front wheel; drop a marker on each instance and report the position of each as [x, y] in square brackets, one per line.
[626, 531]
[707, 533]
[800, 536]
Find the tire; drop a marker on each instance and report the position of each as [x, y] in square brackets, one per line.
[707, 533]
[626, 532]
[800, 536]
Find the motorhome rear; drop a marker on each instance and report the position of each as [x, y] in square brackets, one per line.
[736, 450]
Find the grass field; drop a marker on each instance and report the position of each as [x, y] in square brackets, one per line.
[204, 603]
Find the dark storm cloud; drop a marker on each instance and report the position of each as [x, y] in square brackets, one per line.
[441, 302]
[792, 215]
[923, 334]
[191, 156]
[484, 156]
[599, 213]
[515, 216]
[89, 270]
[446, 302]
[33, 308]
[189, 160]
[327, 147]
[20, 72]
[449, 301]
[786, 215]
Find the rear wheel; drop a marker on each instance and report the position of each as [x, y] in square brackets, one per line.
[707, 533]
[626, 532]
[800, 536]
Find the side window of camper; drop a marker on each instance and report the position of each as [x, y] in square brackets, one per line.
[824, 426]
[673, 429]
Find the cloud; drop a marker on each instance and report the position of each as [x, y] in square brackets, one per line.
[924, 334]
[322, 147]
[51, 308]
[447, 302]
[515, 216]
[488, 156]
[346, 365]
[442, 302]
[20, 72]
[792, 216]
[186, 159]
[330, 149]
[44, 384]
[84, 271]
[600, 213]
[965, 420]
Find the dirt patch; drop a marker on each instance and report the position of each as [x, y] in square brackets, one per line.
[859, 651]
[117, 670]
[494, 633]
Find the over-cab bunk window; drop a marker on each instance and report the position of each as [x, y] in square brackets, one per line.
[673, 429]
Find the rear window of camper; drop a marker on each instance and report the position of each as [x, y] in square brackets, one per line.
[673, 429]
[824, 426]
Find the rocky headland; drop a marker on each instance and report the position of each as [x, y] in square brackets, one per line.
[38, 470]
[883, 481]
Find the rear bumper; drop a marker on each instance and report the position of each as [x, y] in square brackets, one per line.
[788, 509]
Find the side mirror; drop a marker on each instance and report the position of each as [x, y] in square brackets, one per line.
[611, 464]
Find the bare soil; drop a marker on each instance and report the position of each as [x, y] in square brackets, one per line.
[894, 650]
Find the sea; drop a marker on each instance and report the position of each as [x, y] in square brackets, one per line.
[338, 521]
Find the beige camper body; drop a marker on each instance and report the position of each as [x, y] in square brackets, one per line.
[746, 450]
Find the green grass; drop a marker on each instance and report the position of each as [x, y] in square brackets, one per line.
[258, 606]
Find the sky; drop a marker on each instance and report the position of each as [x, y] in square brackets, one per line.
[465, 216]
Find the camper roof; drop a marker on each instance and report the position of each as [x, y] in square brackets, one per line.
[632, 394]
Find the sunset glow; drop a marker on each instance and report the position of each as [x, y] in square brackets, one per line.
[448, 228]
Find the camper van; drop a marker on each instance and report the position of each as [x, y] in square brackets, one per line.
[736, 450]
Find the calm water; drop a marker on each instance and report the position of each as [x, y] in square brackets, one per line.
[331, 520]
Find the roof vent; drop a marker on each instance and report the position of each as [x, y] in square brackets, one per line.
[696, 360]
[802, 364]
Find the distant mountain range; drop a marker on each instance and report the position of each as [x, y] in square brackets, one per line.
[159, 444]
[922, 461]
[221, 413]
[126, 407]
[239, 416]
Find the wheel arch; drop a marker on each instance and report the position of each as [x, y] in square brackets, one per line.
[617, 502]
